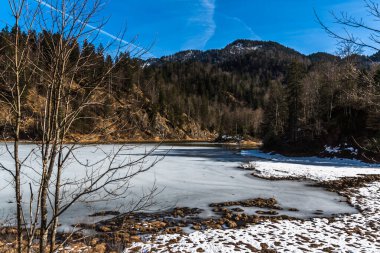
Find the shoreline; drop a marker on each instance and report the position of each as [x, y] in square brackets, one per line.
[130, 141]
[244, 144]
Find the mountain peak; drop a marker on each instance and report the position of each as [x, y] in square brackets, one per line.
[243, 46]
[240, 47]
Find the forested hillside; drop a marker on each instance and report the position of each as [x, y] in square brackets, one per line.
[249, 88]
[265, 90]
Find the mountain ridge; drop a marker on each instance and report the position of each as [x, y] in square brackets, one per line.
[242, 47]
[238, 47]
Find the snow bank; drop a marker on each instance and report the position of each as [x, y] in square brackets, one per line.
[351, 233]
[341, 148]
[313, 160]
[314, 168]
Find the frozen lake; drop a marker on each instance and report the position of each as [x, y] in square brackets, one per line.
[189, 176]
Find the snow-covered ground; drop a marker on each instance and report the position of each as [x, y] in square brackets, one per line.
[346, 233]
[314, 168]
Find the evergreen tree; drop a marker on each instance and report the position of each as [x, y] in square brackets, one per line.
[294, 89]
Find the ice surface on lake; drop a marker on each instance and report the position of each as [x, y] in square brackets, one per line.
[189, 176]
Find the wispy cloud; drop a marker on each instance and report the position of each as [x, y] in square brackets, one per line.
[205, 20]
[253, 35]
[133, 47]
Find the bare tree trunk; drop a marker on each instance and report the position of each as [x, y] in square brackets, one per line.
[44, 230]
[17, 139]
[44, 212]
[44, 218]
[56, 210]
[57, 195]
[18, 187]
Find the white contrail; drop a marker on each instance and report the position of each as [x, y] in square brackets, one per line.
[140, 49]
[204, 20]
[247, 27]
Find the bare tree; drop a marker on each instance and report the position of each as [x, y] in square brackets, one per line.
[61, 64]
[14, 78]
[349, 46]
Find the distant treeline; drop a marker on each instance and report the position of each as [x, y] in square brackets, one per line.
[250, 88]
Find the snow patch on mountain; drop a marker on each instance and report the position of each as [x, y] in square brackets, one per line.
[239, 48]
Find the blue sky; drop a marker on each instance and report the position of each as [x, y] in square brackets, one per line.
[174, 25]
